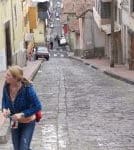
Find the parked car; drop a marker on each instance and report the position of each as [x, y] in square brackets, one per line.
[42, 52]
[63, 41]
[57, 15]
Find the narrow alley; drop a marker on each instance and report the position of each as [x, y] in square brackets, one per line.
[83, 109]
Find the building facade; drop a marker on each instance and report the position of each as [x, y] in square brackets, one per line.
[21, 28]
[127, 26]
[5, 34]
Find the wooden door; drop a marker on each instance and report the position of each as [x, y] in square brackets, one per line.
[131, 63]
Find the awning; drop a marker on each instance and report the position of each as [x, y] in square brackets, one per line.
[107, 28]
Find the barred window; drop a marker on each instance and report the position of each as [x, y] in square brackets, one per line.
[105, 9]
[132, 6]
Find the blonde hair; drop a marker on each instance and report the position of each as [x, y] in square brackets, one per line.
[17, 72]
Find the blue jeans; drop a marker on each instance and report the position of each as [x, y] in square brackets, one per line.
[22, 136]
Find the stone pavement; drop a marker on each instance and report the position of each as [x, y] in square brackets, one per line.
[120, 72]
[29, 72]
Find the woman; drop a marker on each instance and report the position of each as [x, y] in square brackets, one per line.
[21, 102]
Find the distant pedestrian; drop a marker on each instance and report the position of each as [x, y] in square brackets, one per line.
[30, 49]
[20, 102]
[57, 38]
[51, 45]
[58, 42]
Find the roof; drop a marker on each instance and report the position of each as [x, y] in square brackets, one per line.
[68, 6]
[83, 6]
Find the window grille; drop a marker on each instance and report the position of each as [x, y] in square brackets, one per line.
[105, 10]
[132, 6]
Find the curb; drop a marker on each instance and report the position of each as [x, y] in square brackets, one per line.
[113, 75]
[75, 58]
[5, 129]
[35, 71]
[119, 77]
[94, 67]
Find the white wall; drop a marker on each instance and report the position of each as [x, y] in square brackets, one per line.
[127, 22]
[99, 37]
[2, 60]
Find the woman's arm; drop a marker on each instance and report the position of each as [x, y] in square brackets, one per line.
[33, 101]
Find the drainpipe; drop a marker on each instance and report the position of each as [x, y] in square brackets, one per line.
[92, 30]
[112, 61]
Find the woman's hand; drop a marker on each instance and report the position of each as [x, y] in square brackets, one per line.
[17, 116]
[6, 112]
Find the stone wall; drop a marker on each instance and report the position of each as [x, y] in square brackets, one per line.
[99, 52]
[90, 53]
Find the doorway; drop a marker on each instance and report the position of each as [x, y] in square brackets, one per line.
[8, 44]
[131, 52]
[118, 49]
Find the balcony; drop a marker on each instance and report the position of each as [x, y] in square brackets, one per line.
[107, 28]
[105, 24]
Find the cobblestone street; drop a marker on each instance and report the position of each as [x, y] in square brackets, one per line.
[83, 109]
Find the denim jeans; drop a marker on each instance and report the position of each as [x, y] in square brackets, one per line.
[22, 135]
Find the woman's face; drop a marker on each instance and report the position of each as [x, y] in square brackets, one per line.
[9, 78]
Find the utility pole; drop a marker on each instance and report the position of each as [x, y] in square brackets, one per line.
[112, 61]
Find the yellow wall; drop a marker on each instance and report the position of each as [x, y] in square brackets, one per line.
[4, 17]
[18, 34]
[16, 25]
[39, 33]
[5, 8]
[11, 11]
[14, 11]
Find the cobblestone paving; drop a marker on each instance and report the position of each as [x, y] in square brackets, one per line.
[83, 109]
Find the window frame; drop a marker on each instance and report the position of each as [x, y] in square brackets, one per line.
[104, 13]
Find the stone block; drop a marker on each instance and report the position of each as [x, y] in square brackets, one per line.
[87, 53]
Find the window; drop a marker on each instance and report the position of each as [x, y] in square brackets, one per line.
[105, 10]
[132, 6]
